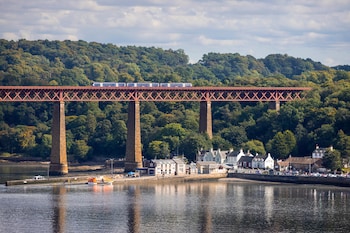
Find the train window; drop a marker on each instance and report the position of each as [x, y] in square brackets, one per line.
[121, 84]
[131, 84]
[109, 84]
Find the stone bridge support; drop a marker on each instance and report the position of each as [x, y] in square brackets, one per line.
[58, 158]
[276, 105]
[205, 118]
[133, 158]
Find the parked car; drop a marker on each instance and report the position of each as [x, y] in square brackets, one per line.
[132, 174]
[38, 177]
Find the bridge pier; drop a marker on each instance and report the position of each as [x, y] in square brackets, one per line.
[205, 118]
[58, 157]
[275, 105]
[133, 156]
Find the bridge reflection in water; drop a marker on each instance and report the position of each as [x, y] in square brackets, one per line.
[59, 209]
[213, 206]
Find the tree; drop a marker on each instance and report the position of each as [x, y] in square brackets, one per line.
[80, 150]
[165, 119]
[332, 160]
[282, 144]
[192, 143]
[118, 143]
[220, 143]
[43, 147]
[25, 138]
[289, 117]
[254, 146]
[343, 119]
[290, 140]
[158, 149]
[343, 145]
[266, 126]
[234, 134]
[102, 139]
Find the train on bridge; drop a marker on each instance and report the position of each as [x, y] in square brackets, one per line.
[143, 84]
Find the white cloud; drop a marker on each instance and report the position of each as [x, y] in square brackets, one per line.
[251, 27]
[217, 42]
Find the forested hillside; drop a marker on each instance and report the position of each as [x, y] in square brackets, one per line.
[98, 130]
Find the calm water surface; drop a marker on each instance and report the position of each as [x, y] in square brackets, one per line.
[19, 172]
[215, 206]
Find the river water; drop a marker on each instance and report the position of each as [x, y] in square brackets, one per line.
[206, 206]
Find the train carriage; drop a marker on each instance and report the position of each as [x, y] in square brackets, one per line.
[144, 84]
[108, 84]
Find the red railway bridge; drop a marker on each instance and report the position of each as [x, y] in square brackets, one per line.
[134, 95]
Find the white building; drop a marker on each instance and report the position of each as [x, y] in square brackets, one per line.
[191, 168]
[319, 153]
[263, 162]
[210, 167]
[167, 167]
[212, 155]
[180, 166]
[162, 167]
[233, 157]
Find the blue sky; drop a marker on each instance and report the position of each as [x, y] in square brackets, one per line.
[316, 29]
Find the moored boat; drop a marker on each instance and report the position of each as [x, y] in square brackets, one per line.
[106, 181]
[100, 180]
[92, 181]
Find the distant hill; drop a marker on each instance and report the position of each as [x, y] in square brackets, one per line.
[342, 67]
[45, 62]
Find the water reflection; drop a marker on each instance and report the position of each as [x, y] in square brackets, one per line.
[59, 208]
[268, 198]
[180, 207]
[134, 209]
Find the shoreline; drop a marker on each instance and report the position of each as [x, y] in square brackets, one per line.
[82, 167]
[80, 173]
[335, 181]
[83, 179]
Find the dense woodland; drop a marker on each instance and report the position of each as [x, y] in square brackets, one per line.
[98, 130]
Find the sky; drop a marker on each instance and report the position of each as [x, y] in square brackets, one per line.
[316, 29]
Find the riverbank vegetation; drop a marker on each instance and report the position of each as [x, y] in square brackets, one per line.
[98, 130]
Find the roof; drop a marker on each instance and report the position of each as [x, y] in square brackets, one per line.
[298, 160]
[178, 161]
[260, 157]
[234, 153]
[208, 163]
[245, 159]
[163, 161]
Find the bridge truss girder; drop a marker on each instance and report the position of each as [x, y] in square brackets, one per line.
[239, 94]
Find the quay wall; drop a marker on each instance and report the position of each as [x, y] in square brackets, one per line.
[336, 181]
[119, 180]
[54, 180]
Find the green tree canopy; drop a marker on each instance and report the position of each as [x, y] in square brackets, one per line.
[332, 160]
